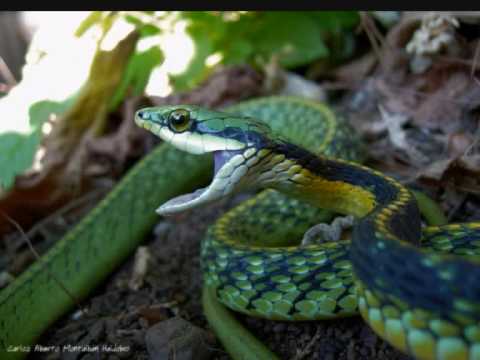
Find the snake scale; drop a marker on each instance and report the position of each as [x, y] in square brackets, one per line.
[424, 300]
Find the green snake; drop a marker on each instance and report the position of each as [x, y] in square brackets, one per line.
[424, 300]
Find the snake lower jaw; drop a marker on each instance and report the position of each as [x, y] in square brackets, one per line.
[224, 183]
[179, 203]
[189, 201]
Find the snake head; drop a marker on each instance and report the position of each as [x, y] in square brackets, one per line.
[232, 139]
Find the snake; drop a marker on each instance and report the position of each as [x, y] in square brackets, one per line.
[416, 286]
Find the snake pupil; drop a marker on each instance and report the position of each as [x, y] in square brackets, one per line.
[179, 120]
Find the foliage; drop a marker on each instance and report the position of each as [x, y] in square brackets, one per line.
[30, 104]
[292, 39]
[17, 149]
[137, 74]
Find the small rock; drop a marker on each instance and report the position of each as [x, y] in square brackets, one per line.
[330, 356]
[177, 339]
[279, 327]
[162, 228]
[5, 279]
[351, 350]
[153, 314]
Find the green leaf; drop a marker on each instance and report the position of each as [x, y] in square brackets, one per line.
[331, 20]
[238, 52]
[145, 29]
[296, 38]
[196, 69]
[148, 30]
[94, 18]
[137, 73]
[17, 149]
[236, 45]
[293, 36]
[134, 20]
[205, 29]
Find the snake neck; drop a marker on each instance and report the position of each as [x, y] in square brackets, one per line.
[379, 202]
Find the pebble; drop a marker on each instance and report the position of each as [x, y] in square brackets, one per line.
[177, 339]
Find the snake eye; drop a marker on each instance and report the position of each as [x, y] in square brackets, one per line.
[179, 120]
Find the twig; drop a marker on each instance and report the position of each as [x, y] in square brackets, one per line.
[396, 90]
[401, 91]
[373, 35]
[70, 206]
[302, 353]
[4, 88]
[37, 256]
[476, 140]
[6, 73]
[448, 59]
[140, 268]
[457, 207]
[475, 59]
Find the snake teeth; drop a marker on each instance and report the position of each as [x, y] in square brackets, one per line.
[252, 161]
[266, 176]
[249, 153]
[219, 184]
[224, 165]
[239, 172]
[283, 166]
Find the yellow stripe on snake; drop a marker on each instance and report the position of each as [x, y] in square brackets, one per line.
[419, 289]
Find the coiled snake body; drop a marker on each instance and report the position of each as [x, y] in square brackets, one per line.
[423, 300]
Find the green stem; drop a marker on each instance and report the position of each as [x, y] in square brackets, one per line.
[238, 342]
[430, 209]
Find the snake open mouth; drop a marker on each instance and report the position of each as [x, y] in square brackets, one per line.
[222, 184]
